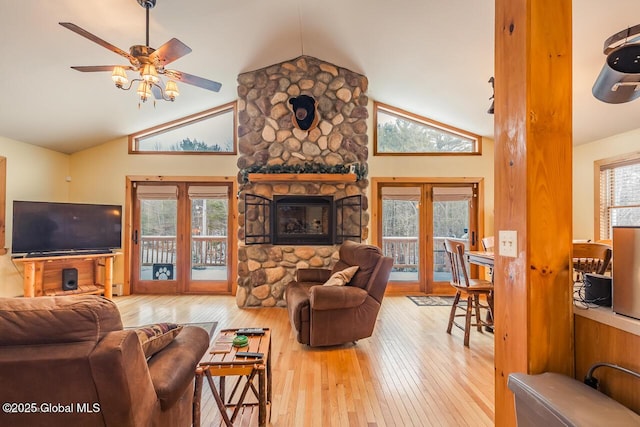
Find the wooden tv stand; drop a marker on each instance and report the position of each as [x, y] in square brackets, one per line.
[43, 275]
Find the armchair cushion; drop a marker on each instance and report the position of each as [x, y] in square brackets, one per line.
[49, 320]
[335, 298]
[364, 256]
[312, 275]
[154, 338]
[172, 369]
[341, 278]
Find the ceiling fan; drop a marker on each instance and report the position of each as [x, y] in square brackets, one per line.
[148, 62]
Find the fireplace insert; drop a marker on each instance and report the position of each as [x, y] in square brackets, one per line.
[305, 220]
[302, 220]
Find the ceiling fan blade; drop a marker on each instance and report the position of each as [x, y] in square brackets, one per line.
[92, 68]
[193, 80]
[157, 92]
[169, 52]
[98, 40]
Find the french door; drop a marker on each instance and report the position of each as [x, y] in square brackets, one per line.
[180, 238]
[414, 220]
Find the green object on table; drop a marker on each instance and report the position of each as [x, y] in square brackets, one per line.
[240, 341]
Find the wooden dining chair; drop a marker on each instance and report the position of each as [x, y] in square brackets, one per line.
[468, 289]
[488, 243]
[590, 258]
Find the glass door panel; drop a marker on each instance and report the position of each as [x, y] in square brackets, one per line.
[400, 231]
[209, 236]
[158, 252]
[451, 220]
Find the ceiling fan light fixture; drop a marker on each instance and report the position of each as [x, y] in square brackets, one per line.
[119, 77]
[171, 90]
[144, 91]
[150, 74]
[143, 59]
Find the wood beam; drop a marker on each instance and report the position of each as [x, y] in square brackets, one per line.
[533, 176]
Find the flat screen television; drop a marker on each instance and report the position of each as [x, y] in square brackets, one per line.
[46, 227]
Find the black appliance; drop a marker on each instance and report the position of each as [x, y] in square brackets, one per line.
[597, 289]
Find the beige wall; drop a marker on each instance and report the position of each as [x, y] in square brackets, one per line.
[33, 173]
[583, 179]
[98, 173]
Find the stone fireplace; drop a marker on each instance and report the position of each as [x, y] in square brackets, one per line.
[271, 147]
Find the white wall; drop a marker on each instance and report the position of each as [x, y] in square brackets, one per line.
[583, 178]
[33, 173]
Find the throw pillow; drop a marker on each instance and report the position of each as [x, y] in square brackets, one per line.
[342, 277]
[154, 338]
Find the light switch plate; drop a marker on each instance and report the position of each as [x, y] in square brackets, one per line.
[508, 243]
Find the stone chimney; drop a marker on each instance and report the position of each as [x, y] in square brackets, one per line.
[267, 138]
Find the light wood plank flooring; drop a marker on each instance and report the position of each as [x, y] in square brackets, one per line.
[409, 373]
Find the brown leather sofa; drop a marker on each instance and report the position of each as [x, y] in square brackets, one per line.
[66, 361]
[332, 315]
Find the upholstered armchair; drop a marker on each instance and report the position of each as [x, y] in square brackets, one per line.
[324, 315]
[66, 361]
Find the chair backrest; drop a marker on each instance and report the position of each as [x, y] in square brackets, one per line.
[488, 243]
[591, 257]
[454, 251]
[374, 270]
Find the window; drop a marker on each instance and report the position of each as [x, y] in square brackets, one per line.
[399, 132]
[209, 132]
[619, 193]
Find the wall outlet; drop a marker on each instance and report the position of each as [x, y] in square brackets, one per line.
[508, 243]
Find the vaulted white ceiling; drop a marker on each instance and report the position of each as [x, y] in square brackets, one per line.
[430, 57]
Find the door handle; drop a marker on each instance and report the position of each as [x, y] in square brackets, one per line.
[473, 238]
[135, 237]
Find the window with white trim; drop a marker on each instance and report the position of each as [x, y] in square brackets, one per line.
[619, 195]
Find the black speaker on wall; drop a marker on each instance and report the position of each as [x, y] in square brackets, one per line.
[69, 279]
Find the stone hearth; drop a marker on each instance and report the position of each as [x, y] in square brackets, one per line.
[267, 137]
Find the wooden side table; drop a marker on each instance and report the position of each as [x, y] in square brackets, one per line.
[221, 363]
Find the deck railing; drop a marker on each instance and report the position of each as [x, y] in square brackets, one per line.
[405, 252]
[206, 251]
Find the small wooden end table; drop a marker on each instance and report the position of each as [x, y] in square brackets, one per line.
[221, 362]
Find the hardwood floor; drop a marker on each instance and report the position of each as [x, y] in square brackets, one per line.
[409, 373]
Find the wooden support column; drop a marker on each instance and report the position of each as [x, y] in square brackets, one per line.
[533, 148]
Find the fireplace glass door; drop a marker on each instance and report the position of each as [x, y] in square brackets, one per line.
[303, 220]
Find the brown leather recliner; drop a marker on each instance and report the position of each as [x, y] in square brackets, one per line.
[331, 315]
[66, 361]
